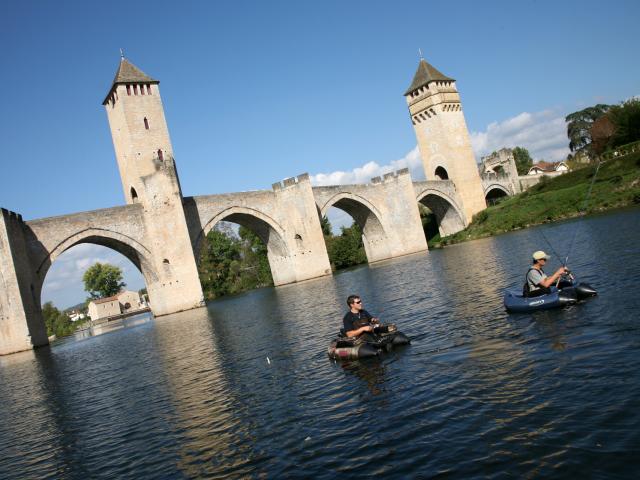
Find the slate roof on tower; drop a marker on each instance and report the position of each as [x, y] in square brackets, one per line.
[426, 74]
[128, 73]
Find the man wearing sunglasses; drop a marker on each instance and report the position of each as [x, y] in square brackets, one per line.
[357, 320]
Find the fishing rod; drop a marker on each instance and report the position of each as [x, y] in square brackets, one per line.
[581, 211]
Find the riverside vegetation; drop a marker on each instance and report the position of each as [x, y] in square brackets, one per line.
[617, 185]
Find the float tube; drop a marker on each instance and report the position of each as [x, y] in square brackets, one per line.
[367, 345]
[568, 292]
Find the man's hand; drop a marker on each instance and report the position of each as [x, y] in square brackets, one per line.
[367, 328]
[562, 271]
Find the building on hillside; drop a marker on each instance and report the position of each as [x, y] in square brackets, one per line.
[548, 167]
[76, 315]
[124, 302]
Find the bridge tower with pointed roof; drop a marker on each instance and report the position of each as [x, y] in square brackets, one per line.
[442, 134]
[150, 178]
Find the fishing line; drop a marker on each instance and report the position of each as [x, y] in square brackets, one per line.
[581, 210]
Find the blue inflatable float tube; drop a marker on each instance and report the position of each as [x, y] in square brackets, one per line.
[568, 294]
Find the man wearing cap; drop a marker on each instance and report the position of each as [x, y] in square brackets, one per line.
[537, 281]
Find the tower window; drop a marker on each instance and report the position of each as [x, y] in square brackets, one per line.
[149, 89]
[146, 123]
[135, 89]
[441, 174]
[141, 89]
[134, 195]
[160, 155]
[128, 89]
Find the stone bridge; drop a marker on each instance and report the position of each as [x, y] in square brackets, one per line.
[286, 218]
[162, 232]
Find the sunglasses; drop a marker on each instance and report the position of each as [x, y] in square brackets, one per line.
[358, 302]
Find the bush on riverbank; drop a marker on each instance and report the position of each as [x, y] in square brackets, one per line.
[617, 185]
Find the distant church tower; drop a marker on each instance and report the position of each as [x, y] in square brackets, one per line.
[443, 138]
[149, 177]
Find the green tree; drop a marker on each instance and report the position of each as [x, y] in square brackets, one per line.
[326, 226]
[256, 271]
[579, 126]
[626, 120]
[347, 249]
[231, 263]
[57, 322]
[103, 280]
[523, 160]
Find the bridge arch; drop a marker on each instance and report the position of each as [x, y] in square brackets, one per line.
[448, 215]
[267, 229]
[494, 192]
[367, 217]
[133, 250]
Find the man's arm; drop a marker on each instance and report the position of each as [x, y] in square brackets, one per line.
[549, 281]
[358, 331]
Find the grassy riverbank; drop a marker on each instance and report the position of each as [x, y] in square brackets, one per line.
[617, 185]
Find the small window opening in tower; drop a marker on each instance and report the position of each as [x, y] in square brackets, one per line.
[160, 155]
[134, 195]
[128, 89]
[165, 261]
[441, 174]
[146, 123]
[141, 89]
[149, 89]
[135, 89]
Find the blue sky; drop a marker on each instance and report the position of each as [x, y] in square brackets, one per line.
[258, 91]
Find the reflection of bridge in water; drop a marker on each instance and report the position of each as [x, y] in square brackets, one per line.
[160, 231]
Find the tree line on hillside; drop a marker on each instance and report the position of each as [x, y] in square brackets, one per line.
[601, 128]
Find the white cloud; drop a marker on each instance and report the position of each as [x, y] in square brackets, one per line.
[364, 174]
[544, 134]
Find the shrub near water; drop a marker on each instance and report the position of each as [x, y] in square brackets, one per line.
[617, 184]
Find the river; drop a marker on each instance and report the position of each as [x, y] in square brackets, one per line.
[244, 388]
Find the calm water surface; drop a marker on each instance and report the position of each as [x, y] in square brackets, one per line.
[479, 394]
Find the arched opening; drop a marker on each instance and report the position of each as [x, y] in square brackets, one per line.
[134, 195]
[353, 232]
[495, 195]
[440, 217]
[441, 174]
[241, 249]
[73, 301]
[499, 170]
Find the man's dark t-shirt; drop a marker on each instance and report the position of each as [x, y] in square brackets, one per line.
[353, 321]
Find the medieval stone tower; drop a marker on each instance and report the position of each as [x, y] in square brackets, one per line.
[443, 138]
[149, 177]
